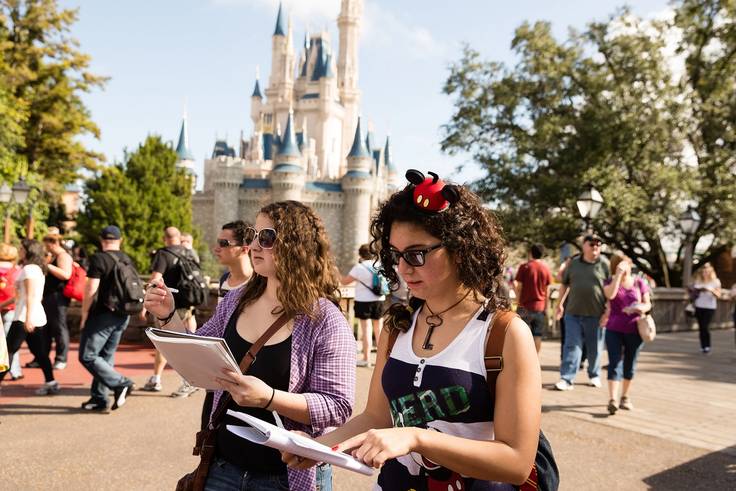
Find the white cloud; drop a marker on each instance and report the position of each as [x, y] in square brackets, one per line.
[382, 27]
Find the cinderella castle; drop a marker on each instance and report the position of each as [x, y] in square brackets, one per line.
[308, 143]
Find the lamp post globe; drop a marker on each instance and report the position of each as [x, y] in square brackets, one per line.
[21, 190]
[689, 221]
[5, 193]
[589, 204]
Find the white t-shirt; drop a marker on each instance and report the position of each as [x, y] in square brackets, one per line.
[364, 276]
[706, 300]
[35, 274]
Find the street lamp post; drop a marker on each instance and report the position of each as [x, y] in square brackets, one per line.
[18, 194]
[689, 223]
[589, 204]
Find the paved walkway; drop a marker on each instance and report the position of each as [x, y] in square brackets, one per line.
[681, 436]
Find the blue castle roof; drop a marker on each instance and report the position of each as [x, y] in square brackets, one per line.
[280, 23]
[222, 149]
[257, 90]
[182, 147]
[289, 145]
[359, 149]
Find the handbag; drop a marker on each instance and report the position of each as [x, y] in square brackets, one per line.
[206, 438]
[645, 323]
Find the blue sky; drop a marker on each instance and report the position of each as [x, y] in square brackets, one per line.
[165, 55]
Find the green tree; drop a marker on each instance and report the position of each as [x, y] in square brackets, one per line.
[45, 77]
[603, 107]
[142, 196]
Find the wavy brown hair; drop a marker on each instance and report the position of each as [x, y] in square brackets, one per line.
[304, 265]
[468, 231]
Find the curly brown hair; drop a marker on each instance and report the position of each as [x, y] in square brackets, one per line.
[304, 265]
[468, 231]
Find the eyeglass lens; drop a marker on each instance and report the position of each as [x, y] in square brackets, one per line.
[266, 237]
[412, 258]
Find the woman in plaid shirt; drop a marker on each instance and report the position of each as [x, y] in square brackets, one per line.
[305, 372]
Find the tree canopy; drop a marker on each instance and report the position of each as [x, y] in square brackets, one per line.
[643, 110]
[142, 196]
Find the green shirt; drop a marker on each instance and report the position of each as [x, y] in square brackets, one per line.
[585, 281]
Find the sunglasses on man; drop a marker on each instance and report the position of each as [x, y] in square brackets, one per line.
[413, 257]
[266, 237]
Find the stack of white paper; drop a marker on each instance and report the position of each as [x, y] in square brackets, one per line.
[199, 359]
[265, 433]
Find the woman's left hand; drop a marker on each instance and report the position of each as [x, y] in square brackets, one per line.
[375, 447]
[28, 326]
[246, 390]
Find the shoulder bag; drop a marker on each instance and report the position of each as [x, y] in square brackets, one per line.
[645, 323]
[206, 438]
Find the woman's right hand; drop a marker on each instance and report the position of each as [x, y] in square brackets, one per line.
[158, 300]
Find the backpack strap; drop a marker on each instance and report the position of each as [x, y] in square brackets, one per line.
[493, 357]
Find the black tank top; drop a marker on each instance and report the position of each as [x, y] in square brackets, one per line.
[273, 366]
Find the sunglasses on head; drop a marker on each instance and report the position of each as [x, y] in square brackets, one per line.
[413, 257]
[223, 243]
[266, 237]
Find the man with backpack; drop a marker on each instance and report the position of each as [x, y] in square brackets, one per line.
[112, 293]
[178, 268]
[370, 293]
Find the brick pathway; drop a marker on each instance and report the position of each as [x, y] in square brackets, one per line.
[684, 412]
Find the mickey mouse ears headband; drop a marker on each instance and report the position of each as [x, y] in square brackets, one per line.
[431, 194]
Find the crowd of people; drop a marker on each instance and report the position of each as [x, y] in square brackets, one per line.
[431, 302]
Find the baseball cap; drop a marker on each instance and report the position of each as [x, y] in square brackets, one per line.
[592, 238]
[111, 232]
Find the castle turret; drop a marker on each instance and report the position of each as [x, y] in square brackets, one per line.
[394, 181]
[256, 102]
[357, 185]
[184, 156]
[227, 176]
[288, 176]
[281, 82]
[348, 23]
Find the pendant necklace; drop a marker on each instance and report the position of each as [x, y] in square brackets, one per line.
[435, 320]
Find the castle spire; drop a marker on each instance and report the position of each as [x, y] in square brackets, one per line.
[280, 23]
[289, 146]
[388, 161]
[359, 150]
[183, 151]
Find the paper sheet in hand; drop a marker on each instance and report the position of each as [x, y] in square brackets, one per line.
[272, 436]
[199, 359]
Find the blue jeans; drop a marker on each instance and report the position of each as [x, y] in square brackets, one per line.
[579, 330]
[224, 476]
[97, 346]
[631, 344]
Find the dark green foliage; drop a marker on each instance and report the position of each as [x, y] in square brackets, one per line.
[605, 107]
[142, 196]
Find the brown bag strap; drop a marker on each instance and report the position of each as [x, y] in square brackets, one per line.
[494, 347]
[245, 363]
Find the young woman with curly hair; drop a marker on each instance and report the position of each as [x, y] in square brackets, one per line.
[429, 422]
[306, 370]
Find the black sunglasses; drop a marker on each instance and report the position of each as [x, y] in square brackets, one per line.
[223, 243]
[266, 237]
[414, 257]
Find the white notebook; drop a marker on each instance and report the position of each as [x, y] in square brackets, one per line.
[199, 359]
[265, 433]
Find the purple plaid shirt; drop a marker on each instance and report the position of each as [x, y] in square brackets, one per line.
[322, 369]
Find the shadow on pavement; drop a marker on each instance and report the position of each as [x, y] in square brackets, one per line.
[32, 409]
[716, 470]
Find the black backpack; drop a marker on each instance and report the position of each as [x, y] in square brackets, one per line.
[125, 296]
[192, 287]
